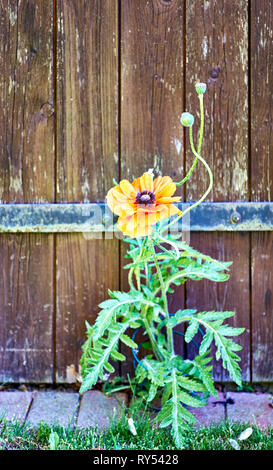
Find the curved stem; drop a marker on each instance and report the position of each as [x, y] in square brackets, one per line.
[201, 131]
[205, 193]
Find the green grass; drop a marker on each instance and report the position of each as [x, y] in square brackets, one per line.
[14, 435]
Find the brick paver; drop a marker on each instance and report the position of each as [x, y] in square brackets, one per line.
[97, 409]
[53, 408]
[14, 405]
[210, 414]
[251, 408]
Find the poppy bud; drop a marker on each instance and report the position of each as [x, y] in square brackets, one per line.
[200, 88]
[187, 119]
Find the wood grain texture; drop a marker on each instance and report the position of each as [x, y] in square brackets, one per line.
[262, 186]
[151, 87]
[87, 99]
[87, 161]
[26, 124]
[26, 175]
[26, 308]
[231, 295]
[217, 53]
[86, 269]
[152, 73]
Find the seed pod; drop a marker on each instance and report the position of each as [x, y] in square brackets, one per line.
[187, 119]
[200, 88]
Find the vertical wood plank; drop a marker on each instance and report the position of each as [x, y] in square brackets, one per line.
[26, 175]
[26, 308]
[86, 269]
[87, 161]
[152, 74]
[151, 87]
[232, 295]
[26, 124]
[217, 52]
[262, 186]
[87, 98]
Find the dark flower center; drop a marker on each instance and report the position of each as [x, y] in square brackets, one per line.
[145, 197]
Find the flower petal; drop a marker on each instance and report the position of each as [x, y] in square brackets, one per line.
[119, 203]
[166, 191]
[166, 210]
[168, 200]
[160, 182]
[128, 189]
[146, 182]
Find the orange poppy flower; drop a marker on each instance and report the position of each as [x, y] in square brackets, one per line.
[142, 203]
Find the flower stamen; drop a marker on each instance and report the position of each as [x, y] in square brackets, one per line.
[145, 197]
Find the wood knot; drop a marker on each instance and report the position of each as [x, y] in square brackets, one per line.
[47, 110]
[267, 300]
[215, 73]
[166, 2]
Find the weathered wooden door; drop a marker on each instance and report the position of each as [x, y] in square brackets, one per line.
[92, 91]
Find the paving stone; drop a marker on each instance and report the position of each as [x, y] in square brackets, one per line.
[14, 405]
[251, 407]
[97, 409]
[209, 414]
[53, 408]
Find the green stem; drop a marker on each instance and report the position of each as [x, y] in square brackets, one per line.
[205, 193]
[201, 131]
[164, 296]
[152, 339]
[132, 269]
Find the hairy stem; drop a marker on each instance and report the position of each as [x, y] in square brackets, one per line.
[164, 297]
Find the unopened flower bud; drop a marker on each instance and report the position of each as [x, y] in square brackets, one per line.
[200, 88]
[187, 119]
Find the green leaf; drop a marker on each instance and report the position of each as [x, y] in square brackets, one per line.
[155, 370]
[117, 356]
[190, 384]
[53, 440]
[189, 399]
[97, 366]
[180, 317]
[206, 342]
[191, 330]
[205, 373]
[128, 341]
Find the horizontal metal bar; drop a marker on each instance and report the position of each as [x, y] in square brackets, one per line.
[97, 217]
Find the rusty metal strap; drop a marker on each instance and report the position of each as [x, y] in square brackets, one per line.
[96, 217]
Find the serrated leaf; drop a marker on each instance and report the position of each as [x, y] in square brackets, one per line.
[206, 342]
[190, 400]
[96, 370]
[226, 330]
[191, 330]
[190, 384]
[180, 316]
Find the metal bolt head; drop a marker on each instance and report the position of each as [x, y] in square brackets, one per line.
[235, 217]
